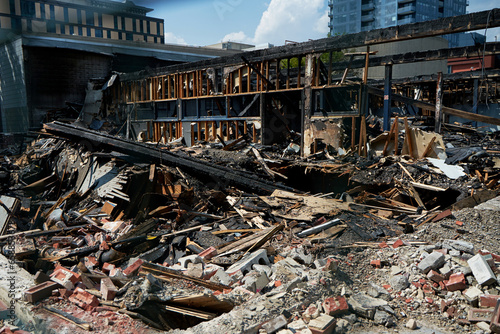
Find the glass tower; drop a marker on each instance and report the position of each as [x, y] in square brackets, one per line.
[351, 16]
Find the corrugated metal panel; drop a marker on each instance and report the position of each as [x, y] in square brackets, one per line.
[13, 100]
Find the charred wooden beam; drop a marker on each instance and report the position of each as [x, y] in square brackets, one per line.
[432, 107]
[222, 175]
[442, 26]
[420, 56]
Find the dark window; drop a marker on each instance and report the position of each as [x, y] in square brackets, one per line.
[16, 24]
[12, 4]
[98, 33]
[108, 33]
[28, 9]
[134, 25]
[90, 18]
[80, 31]
[66, 15]
[89, 32]
[79, 16]
[141, 26]
[51, 26]
[129, 36]
[63, 29]
[52, 13]
[123, 23]
[116, 21]
[149, 26]
[42, 10]
[71, 30]
[100, 19]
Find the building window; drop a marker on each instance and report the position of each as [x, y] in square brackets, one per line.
[28, 9]
[129, 36]
[98, 33]
[80, 31]
[90, 18]
[51, 27]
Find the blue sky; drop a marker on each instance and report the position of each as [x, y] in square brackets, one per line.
[204, 22]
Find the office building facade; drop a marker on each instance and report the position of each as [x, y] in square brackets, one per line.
[87, 18]
[352, 16]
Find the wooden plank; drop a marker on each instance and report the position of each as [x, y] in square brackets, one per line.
[203, 301]
[191, 312]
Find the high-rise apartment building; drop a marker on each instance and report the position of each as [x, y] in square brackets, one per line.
[351, 16]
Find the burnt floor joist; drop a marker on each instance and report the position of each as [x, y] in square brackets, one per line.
[421, 56]
[221, 175]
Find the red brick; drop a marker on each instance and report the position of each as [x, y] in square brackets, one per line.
[376, 263]
[495, 319]
[442, 215]
[65, 293]
[459, 223]
[335, 305]
[435, 276]
[488, 300]
[398, 243]
[456, 282]
[133, 268]
[65, 277]
[40, 291]
[208, 253]
[5, 330]
[104, 246]
[107, 267]
[84, 299]
[429, 300]
[383, 244]
[480, 314]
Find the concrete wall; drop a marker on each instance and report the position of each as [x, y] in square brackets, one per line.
[13, 98]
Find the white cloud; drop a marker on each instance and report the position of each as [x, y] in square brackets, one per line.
[171, 38]
[296, 20]
[240, 37]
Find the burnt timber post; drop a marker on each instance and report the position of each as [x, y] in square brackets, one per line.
[387, 97]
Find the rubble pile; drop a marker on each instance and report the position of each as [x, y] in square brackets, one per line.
[115, 241]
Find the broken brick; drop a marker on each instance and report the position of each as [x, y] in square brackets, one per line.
[488, 300]
[456, 282]
[65, 277]
[435, 276]
[133, 268]
[398, 243]
[208, 253]
[40, 291]
[335, 305]
[83, 299]
[376, 264]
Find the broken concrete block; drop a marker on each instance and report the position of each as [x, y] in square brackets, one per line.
[65, 277]
[263, 268]
[324, 324]
[246, 263]
[40, 291]
[472, 295]
[335, 305]
[221, 277]
[108, 289]
[365, 305]
[434, 260]
[331, 265]
[84, 299]
[41, 277]
[297, 325]
[399, 282]
[383, 318]
[376, 291]
[184, 261]
[255, 281]
[195, 270]
[481, 270]
[459, 245]
[272, 326]
[299, 255]
[133, 268]
[411, 324]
